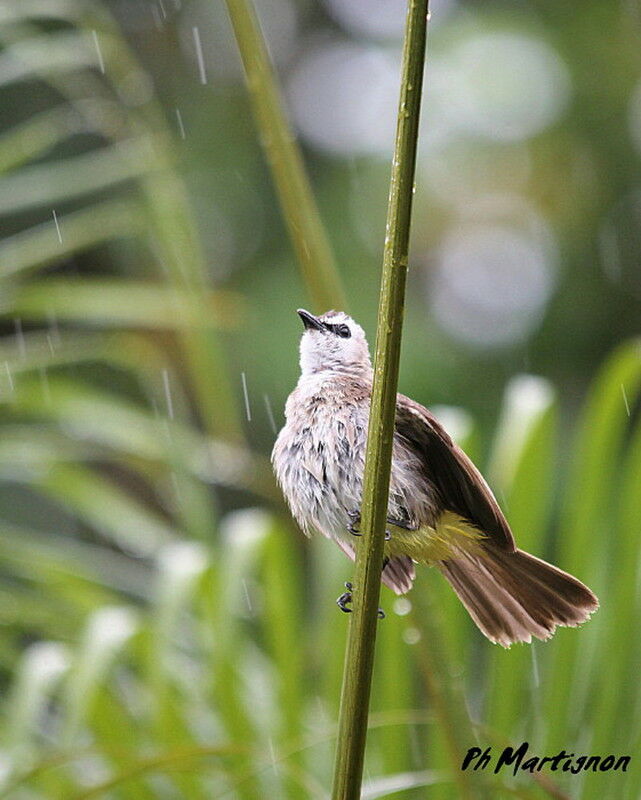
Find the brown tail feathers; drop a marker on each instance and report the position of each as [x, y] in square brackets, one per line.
[514, 596]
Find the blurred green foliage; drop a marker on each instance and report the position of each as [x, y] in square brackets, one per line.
[165, 631]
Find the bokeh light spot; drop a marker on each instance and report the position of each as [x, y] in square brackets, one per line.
[491, 284]
[506, 86]
[343, 97]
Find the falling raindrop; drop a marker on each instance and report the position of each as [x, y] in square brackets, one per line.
[625, 400]
[55, 219]
[167, 387]
[199, 55]
[181, 127]
[535, 667]
[9, 376]
[270, 414]
[246, 395]
[272, 755]
[247, 597]
[101, 61]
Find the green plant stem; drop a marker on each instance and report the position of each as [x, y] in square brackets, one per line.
[369, 558]
[301, 214]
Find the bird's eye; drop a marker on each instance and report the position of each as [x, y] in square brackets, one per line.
[343, 330]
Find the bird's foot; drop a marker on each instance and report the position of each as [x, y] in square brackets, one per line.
[346, 598]
[355, 522]
[405, 524]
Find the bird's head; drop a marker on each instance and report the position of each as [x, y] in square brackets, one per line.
[333, 342]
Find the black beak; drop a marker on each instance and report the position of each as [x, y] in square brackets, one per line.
[310, 321]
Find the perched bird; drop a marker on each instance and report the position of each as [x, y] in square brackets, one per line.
[441, 512]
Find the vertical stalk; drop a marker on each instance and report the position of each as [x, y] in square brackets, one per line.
[300, 211]
[359, 657]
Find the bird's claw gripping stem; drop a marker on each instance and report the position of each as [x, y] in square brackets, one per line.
[405, 524]
[346, 598]
[355, 521]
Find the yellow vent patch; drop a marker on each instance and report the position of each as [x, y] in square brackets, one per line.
[427, 545]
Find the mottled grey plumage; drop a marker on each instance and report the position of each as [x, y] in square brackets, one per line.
[443, 511]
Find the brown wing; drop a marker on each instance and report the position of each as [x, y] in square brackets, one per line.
[461, 486]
